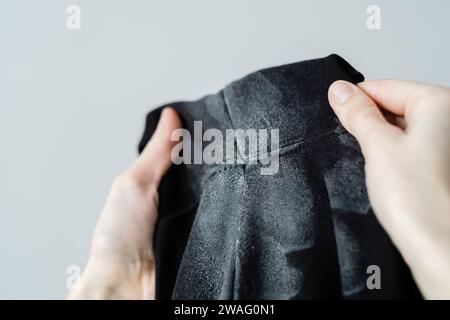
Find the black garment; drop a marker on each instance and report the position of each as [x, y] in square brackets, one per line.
[228, 232]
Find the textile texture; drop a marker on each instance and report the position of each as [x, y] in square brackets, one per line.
[307, 232]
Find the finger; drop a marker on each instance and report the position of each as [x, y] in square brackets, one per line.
[155, 159]
[396, 96]
[358, 113]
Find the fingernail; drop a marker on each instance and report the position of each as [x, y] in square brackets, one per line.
[341, 91]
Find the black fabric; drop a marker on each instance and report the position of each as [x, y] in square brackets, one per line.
[307, 232]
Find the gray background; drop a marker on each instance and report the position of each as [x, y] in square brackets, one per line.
[72, 103]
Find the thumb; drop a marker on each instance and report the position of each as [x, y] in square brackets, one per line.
[155, 159]
[359, 114]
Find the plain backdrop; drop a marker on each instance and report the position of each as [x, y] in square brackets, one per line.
[73, 102]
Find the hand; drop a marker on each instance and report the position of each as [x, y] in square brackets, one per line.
[121, 264]
[403, 129]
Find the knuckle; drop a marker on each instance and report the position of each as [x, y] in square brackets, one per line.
[132, 181]
[358, 115]
[364, 113]
[126, 180]
[427, 93]
[431, 98]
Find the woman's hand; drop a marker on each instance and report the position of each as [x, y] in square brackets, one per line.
[403, 129]
[121, 264]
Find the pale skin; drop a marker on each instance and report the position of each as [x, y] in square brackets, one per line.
[403, 129]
